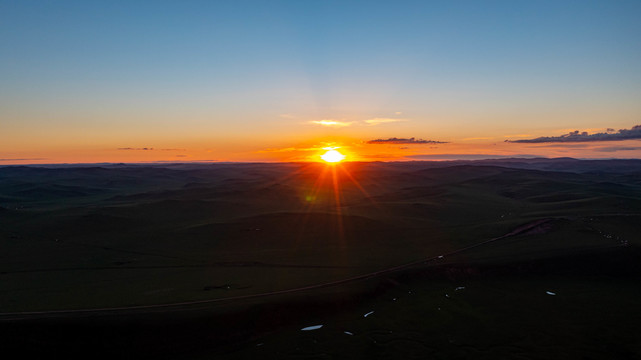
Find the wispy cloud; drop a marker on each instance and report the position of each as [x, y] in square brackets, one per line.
[290, 149]
[404, 141]
[618, 148]
[576, 136]
[560, 146]
[517, 135]
[378, 121]
[477, 138]
[271, 150]
[149, 149]
[25, 159]
[331, 123]
[466, 156]
[342, 123]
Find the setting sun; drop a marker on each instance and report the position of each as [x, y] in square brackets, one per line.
[332, 156]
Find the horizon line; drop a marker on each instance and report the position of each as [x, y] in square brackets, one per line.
[160, 163]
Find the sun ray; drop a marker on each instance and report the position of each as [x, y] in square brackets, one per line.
[358, 185]
[337, 203]
[326, 191]
[313, 195]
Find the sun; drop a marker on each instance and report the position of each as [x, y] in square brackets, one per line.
[332, 156]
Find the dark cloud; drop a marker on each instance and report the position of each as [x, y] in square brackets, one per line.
[404, 141]
[128, 148]
[576, 136]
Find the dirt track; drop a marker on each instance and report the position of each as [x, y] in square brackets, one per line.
[166, 307]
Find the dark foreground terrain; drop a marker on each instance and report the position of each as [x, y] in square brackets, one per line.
[518, 259]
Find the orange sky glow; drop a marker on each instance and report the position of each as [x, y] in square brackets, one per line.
[353, 149]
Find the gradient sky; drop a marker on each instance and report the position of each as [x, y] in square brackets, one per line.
[113, 81]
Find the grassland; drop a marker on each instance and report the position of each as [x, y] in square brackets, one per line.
[202, 261]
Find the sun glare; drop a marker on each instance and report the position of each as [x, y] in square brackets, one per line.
[332, 156]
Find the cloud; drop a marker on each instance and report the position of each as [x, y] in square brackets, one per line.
[382, 156]
[517, 135]
[377, 121]
[149, 149]
[560, 146]
[25, 159]
[404, 141]
[278, 150]
[331, 123]
[576, 136]
[477, 138]
[467, 156]
[341, 123]
[195, 161]
[290, 149]
[618, 148]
